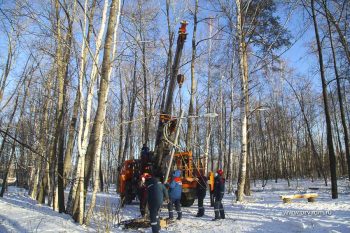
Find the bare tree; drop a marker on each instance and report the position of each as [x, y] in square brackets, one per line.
[331, 154]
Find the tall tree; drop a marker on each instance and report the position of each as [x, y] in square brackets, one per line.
[95, 141]
[331, 154]
[193, 79]
[339, 92]
[252, 29]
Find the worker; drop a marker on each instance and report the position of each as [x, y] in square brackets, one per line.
[175, 190]
[219, 190]
[201, 192]
[145, 157]
[144, 150]
[143, 194]
[162, 186]
[154, 200]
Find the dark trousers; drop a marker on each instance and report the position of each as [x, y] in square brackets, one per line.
[200, 207]
[211, 199]
[177, 207]
[154, 217]
[219, 209]
[143, 207]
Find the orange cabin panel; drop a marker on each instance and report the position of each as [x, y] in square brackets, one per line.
[126, 173]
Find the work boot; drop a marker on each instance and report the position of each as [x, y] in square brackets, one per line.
[179, 215]
[217, 210]
[222, 215]
[222, 212]
[200, 212]
[171, 210]
[155, 228]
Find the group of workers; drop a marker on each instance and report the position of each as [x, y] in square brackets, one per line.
[153, 192]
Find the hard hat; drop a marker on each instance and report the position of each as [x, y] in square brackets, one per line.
[220, 172]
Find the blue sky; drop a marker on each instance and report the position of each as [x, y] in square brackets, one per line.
[298, 56]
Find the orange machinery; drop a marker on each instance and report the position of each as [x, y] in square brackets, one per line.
[128, 180]
[131, 170]
[189, 172]
[184, 163]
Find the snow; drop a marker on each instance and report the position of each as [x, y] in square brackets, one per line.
[263, 211]
[19, 213]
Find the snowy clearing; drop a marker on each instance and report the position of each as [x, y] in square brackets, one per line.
[264, 211]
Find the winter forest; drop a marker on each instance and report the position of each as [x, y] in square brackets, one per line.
[255, 89]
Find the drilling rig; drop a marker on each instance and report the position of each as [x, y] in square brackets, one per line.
[164, 158]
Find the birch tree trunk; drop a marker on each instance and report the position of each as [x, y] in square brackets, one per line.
[193, 80]
[95, 142]
[93, 76]
[145, 94]
[243, 72]
[75, 205]
[231, 136]
[121, 127]
[208, 103]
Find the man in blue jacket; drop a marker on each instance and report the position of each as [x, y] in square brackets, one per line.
[175, 190]
[219, 190]
[155, 197]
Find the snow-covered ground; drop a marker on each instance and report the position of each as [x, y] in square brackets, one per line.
[19, 213]
[261, 212]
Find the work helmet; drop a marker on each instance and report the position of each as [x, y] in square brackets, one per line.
[220, 172]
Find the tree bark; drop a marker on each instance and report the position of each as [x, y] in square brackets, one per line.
[95, 141]
[193, 81]
[331, 154]
[145, 94]
[131, 110]
[243, 72]
[75, 203]
[88, 107]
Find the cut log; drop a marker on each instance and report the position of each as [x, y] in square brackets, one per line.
[10, 180]
[311, 197]
[141, 223]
